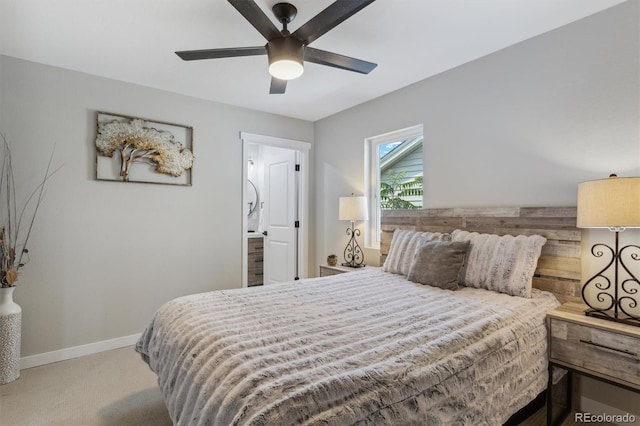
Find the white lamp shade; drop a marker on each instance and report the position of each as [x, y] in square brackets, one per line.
[609, 203]
[353, 208]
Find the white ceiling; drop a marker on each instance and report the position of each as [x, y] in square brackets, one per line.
[410, 40]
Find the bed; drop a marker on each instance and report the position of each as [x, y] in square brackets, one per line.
[370, 347]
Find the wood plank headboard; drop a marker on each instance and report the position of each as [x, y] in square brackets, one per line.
[559, 265]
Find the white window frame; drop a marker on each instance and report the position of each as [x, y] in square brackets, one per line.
[372, 178]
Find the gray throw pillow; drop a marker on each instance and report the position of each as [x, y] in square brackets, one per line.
[403, 248]
[438, 263]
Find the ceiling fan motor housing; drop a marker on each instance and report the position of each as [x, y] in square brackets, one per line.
[285, 58]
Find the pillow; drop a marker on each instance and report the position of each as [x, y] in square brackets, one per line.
[403, 248]
[438, 263]
[500, 263]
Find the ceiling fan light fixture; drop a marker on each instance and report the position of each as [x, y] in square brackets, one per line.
[285, 58]
[286, 69]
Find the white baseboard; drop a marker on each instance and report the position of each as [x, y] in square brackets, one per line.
[77, 351]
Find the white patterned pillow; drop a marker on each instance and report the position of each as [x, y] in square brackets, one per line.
[500, 263]
[403, 248]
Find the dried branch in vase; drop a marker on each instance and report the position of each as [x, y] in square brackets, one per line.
[16, 224]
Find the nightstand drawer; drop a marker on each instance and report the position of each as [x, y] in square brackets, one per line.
[600, 352]
[326, 271]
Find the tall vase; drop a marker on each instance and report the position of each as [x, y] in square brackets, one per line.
[10, 330]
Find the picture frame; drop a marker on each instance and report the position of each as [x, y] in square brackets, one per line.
[154, 151]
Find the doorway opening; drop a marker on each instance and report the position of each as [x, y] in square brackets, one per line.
[275, 213]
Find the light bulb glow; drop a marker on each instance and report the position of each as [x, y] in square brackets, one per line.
[286, 69]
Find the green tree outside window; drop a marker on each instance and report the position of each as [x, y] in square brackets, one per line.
[396, 187]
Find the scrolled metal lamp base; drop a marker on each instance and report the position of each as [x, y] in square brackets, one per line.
[353, 254]
[626, 292]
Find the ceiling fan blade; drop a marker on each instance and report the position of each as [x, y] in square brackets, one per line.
[332, 16]
[277, 86]
[193, 55]
[348, 63]
[256, 17]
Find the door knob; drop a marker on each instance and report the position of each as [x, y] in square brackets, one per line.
[264, 233]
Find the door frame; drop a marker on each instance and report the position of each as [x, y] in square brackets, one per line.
[303, 196]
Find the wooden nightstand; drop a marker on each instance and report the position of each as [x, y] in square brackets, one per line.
[601, 349]
[326, 270]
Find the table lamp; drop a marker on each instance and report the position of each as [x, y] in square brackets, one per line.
[612, 203]
[353, 209]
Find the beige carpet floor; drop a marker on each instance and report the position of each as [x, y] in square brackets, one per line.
[109, 388]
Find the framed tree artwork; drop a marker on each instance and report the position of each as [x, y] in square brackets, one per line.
[130, 149]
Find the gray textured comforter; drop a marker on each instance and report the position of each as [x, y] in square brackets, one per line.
[365, 347]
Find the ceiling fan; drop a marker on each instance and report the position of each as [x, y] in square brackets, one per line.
[286, 51]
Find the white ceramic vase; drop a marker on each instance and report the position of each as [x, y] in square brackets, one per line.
[10, 331]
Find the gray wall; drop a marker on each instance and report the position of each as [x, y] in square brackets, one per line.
[105, 255]
[522, 126]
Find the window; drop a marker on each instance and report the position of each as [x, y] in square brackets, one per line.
[394, 174]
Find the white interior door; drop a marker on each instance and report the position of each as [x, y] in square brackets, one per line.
[255, 170]
[279, 215]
